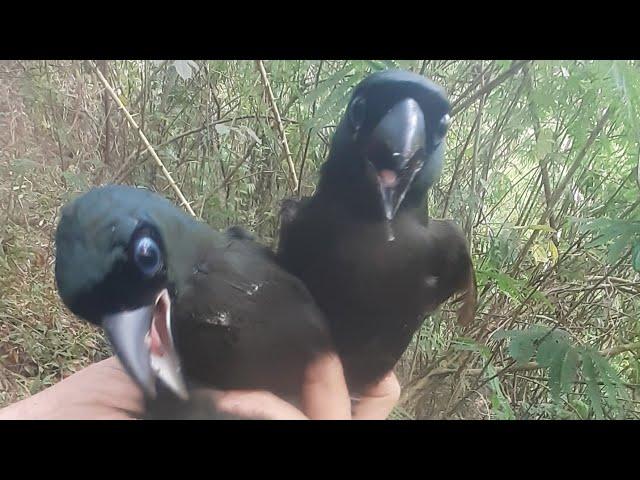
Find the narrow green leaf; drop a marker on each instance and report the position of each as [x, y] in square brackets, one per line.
[555, 370]
[593, 389]
[542, 228]
[617, 249]
[522, 348]
[325, 86]
[184, 68]
[501, 334]
[332, 105]
[550, 348]
[636, 257]
[569, 370]
[609, 377]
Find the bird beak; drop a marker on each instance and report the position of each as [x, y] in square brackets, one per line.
[396, 152]
[144, 344]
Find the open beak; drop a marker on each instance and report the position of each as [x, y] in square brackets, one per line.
[144, 344]
[396, 152]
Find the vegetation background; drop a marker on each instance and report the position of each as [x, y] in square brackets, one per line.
[541, 172]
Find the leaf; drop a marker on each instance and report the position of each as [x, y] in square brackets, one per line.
[501, 334]
[544, 145]
[635, 257]
[542, 228]
[377, 65]
[326, 85]
[20, 166]
[469, 344]
[593, 389]
[609, 227]
[505, 283]
[569, 370]
[330, 108]
[616, 250]
[582, 408]
[555, 371]
[609, 377]
[522, 348]
[553, 250]
[76, 181]
[539, 253]
[185, 68]
[222, 129]
[252, 134]
[555, 344]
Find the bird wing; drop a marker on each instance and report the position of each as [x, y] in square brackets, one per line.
[246, 323]
[447, 243]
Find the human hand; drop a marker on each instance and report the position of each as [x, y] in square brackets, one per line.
[100, 391]
[105, 391]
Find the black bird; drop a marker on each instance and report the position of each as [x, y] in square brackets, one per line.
[363, 243]
[179, 300]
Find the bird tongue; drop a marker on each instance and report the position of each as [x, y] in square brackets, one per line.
[387, 181]
[157, 337]
[164, 359]
[387, 178]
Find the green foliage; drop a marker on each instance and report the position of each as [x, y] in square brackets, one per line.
[619, 236]
[500, 402]
[550, 204]
[554, 351]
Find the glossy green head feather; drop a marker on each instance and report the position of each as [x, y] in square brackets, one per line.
[93, 243]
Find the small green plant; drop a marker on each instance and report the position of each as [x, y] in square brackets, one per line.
[553, 350]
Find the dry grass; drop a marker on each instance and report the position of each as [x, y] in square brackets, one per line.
[46, 158]
[40, 341]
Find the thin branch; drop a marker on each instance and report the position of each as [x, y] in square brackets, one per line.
[274, 107]
[133, 123]
[460, 106]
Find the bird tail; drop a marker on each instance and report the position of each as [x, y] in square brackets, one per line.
[469, 299]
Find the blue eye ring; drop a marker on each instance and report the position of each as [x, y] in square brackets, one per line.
[147, 256]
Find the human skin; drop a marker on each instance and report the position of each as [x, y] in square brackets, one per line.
[103, 391]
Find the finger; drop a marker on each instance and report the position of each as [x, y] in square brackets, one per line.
[101, 391]
[378, 401]
[115, 389]
[256, 405]
[324, 391]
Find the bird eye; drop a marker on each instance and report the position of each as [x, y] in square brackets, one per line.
[147, 256]
[358, 111]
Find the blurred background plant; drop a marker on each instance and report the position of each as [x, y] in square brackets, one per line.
[541, 173]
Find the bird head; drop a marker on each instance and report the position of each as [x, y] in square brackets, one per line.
[392, 137]
[112, 269]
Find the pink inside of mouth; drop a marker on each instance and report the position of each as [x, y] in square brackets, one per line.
[158, 335]
[155, 345]
[388, 178]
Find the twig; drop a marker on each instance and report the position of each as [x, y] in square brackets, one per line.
[306, 145]
[525, 367]
[124, 171]
[267, 86]
[562, 186]
[460, 106]
[133, 123]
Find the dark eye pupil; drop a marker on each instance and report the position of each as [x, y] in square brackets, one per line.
[147, 256]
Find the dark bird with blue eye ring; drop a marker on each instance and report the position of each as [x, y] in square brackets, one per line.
[363, 243]
[184, 306]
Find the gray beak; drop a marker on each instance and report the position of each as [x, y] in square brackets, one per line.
[144, 344]
[127, 332]
[394, 149]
